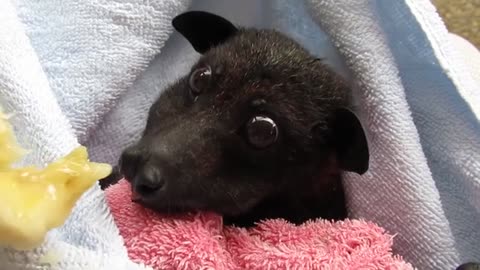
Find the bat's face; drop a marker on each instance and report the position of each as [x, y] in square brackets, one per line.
[257, 116]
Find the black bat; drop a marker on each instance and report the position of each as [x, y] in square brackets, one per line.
[258, 129]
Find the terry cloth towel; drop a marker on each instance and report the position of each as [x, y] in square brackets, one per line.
[86, 71]
[191, 241]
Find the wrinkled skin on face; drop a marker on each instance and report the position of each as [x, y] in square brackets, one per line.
[196, 152]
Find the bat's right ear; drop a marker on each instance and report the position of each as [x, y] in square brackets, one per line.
[203, 30]
[350, 141]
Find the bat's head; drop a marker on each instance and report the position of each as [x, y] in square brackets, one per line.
[257, 116]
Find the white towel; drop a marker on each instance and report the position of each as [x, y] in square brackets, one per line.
[89, 70]
[424, 181]
[62, 63]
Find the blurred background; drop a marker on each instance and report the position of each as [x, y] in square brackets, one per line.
[462, 17]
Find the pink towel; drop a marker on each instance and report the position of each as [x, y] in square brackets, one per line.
[199, 241]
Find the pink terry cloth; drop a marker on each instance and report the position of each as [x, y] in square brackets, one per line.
[200, 241]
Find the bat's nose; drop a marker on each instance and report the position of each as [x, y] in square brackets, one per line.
[131, 161]
[148, 180]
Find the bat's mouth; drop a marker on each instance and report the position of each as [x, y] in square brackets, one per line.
[135, 196]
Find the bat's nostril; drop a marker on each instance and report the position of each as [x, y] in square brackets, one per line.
[148, 181]
[131, 161]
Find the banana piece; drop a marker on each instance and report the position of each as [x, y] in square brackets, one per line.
[34, 200]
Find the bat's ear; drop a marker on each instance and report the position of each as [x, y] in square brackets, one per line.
[349, 141]
[203, 30]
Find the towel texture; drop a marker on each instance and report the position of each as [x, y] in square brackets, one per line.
[87, 71]
[189, 241]
[425, 174]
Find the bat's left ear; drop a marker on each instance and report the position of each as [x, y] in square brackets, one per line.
[203, 30]
[350, 141]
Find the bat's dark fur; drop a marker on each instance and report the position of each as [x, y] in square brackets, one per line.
[195, 153]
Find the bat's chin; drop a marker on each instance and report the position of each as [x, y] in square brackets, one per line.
[165, 208]
[137, 198]
[178, 206]
[169, 203]
[168, 206]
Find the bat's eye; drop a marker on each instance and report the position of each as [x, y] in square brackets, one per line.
[261, 131]
[199, 80]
